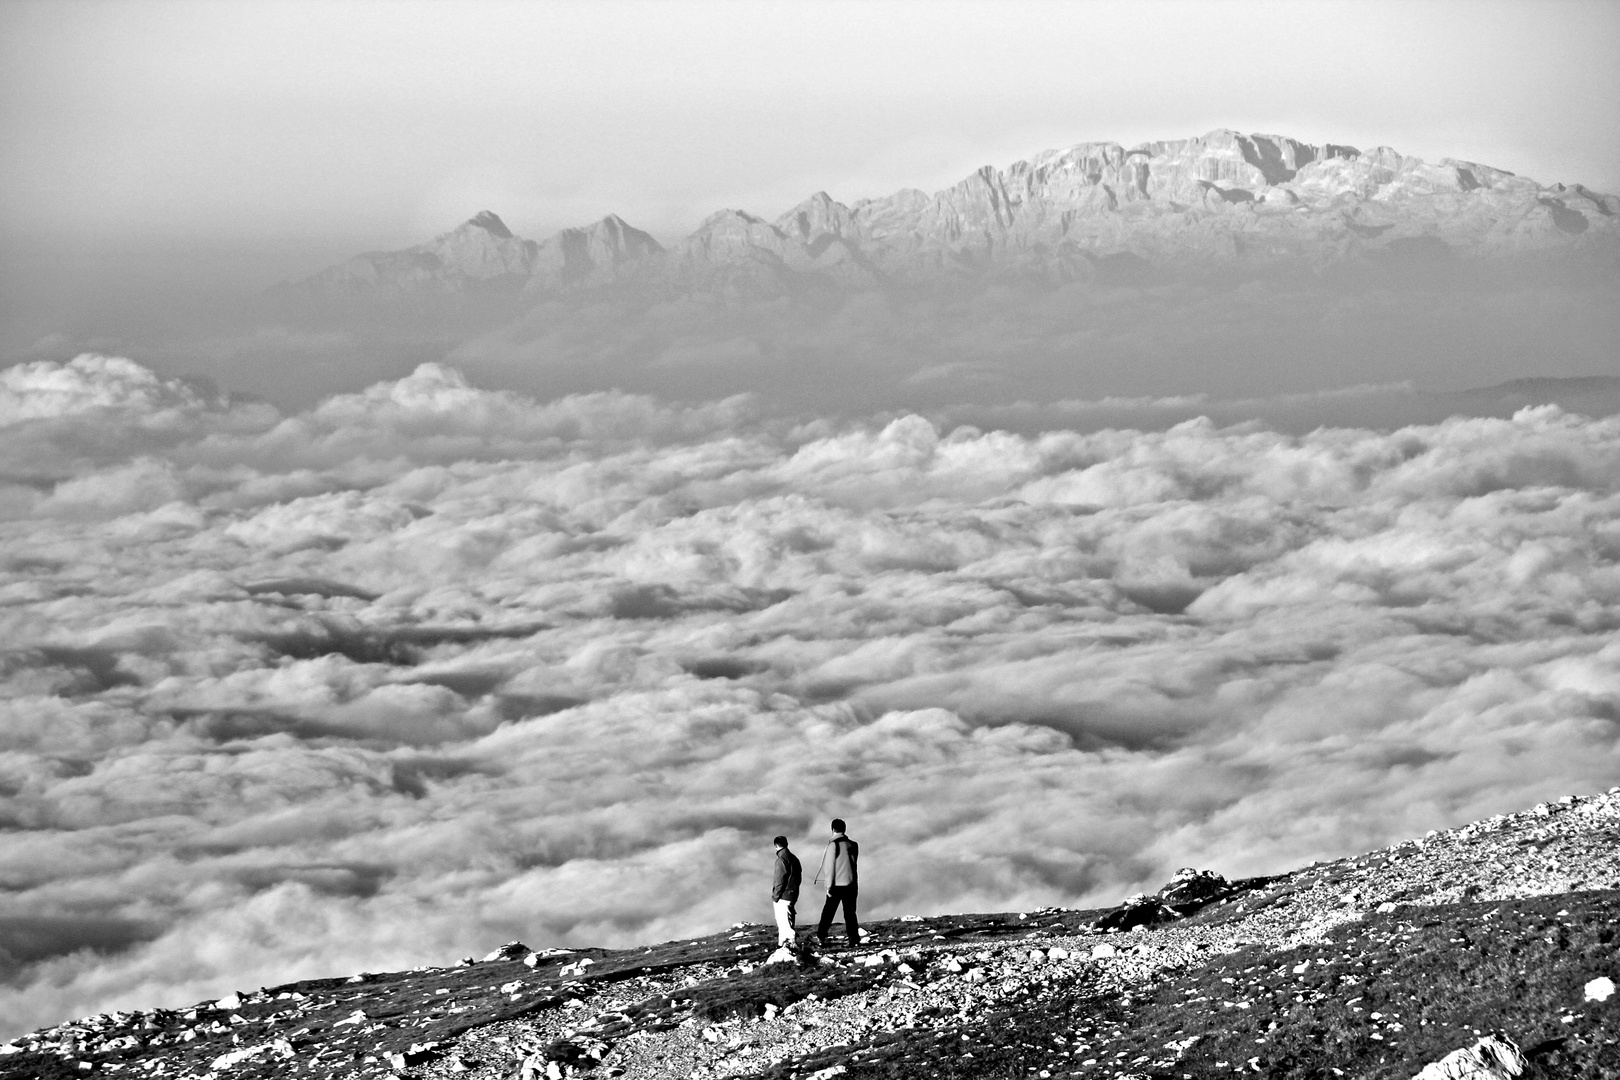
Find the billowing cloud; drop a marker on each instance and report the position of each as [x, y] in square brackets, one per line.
[427, 667]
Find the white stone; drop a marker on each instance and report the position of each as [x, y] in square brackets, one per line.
[1600, 989]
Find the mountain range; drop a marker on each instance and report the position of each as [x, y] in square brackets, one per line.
[1093, 211]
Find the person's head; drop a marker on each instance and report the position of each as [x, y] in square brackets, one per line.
[838, 824]
[781, 842]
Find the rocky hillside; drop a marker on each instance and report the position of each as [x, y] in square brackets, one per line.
[483, 255]
[1095, 210]
[1490, 947]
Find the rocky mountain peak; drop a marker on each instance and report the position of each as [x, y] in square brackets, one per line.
[1224, 198]
[595, 254]
[818, 215]
[490, 223]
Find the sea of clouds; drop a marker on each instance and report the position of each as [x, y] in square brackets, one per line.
[426, 667]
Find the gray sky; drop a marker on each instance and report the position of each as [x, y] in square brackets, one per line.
[322, 128]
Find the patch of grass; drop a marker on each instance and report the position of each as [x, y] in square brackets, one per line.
[1377, 999]
[1028, 1034]
[1385, 995]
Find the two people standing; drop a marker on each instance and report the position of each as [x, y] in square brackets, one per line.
[843, 885]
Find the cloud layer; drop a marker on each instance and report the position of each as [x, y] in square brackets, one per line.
[427, 667]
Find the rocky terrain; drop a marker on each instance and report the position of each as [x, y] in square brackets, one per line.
[1489, 946]
[1096, 211]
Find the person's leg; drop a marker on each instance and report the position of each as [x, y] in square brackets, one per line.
[784, 921]
[827, 911]
[850, 923]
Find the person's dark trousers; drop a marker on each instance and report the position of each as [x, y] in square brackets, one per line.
[840, 894]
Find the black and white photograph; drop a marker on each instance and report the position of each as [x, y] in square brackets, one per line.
[810, 539]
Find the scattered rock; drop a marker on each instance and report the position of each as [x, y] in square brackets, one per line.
[534, 959]
[279, 1048]
[1600, 989]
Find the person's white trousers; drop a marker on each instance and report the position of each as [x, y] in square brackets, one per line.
[784, 922]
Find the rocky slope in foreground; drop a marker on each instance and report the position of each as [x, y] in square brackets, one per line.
[1504, 930]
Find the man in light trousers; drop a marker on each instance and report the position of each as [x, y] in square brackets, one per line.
[785, 893]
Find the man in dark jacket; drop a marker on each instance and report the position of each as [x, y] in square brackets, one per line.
[785, 892]
[843, 882]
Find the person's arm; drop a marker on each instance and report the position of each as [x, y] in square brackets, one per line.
[779, 878]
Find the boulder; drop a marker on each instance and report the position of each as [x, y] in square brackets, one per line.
[1138, 910]
[418, 1054]
[1494, 1057]
[512, 950]
[1185, 893]
[1191, 889]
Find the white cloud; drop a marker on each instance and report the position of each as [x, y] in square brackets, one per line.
[88, 383]
[430, 666]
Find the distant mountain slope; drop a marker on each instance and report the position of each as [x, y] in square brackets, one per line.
[483, 254]
[479, 251]
[1096, 208]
